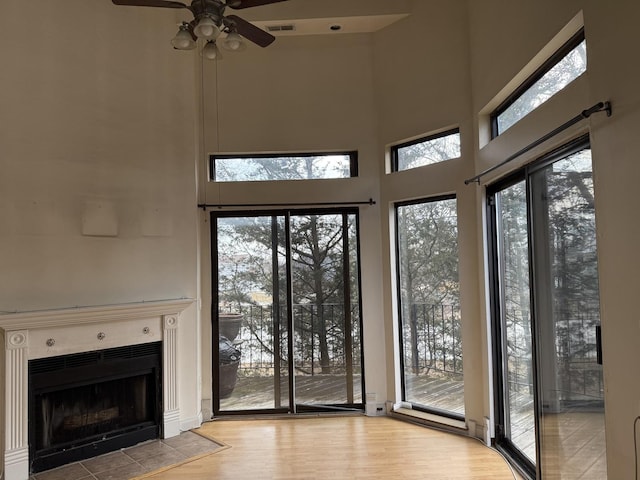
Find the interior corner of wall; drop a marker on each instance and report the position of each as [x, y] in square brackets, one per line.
[387, 159]
[2, 404]
[206, 409]
[190, 423]
[484, 129]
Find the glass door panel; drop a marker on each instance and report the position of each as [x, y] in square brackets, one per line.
[513, 267]
[567, 305]
[252, 371]
[326, 313]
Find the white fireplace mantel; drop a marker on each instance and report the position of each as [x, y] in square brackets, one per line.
[48, 333]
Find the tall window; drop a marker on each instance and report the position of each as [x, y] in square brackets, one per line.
[426, 151]
[431, 342]
[567, 64]
[265, 167]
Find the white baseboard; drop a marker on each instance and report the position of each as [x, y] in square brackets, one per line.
[187, 424]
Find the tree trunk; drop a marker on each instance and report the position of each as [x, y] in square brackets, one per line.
[319, 300]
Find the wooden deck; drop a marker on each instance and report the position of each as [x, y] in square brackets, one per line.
[259, 392]
[256, 393]
[440, 393]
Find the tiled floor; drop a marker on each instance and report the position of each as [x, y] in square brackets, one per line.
[134, 461]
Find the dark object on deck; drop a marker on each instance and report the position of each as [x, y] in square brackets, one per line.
[230, 324]
[229, 361]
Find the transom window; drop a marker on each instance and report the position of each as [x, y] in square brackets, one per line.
[426, 150]
[564, 66]
[270, 167]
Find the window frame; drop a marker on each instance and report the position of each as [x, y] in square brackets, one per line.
[394, 148]
[575, 40]
[352, 154]
[286, 214]
[399, 305]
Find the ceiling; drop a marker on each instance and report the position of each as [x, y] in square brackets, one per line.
[328, 25]
[327, 17]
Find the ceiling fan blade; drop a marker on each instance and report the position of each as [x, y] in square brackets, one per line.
[251, 32]
[151, 3]
[238, 4]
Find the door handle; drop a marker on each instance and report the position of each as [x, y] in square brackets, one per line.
[599, 344]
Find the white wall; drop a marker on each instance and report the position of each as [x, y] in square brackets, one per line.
[422, 86]
[97, 126]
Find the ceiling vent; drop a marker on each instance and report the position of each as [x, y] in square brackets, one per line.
[281, 28]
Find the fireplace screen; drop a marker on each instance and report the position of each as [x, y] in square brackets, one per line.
[87, 404]
[92, 410]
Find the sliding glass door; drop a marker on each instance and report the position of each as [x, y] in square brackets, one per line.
[289, 283]
[546, 313]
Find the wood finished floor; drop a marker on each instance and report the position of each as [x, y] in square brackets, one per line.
[352, 447]
[575, 440]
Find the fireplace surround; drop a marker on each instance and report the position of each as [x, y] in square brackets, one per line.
[29, 336]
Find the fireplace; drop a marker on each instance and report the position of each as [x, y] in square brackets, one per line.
[86, 404]
[65, 399]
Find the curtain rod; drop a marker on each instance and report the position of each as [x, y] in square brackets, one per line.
[204, 206]
[598, 107]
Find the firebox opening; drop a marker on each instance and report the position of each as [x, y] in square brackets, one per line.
[87, 404]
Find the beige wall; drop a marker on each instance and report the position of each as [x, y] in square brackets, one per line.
[97, 129]
[302, 94]
[615, 146]
[422, 86]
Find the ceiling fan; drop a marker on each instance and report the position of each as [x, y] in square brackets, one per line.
[209, 21]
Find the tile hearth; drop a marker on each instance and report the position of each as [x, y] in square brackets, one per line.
[134, 461]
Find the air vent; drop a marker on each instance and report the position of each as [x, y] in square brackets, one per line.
[281, 28]
[51, 364]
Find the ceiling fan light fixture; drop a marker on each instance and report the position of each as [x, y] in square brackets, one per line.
[183, 39]
[233, 42]
[206, 28]
[210, 50]
[208, 21]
